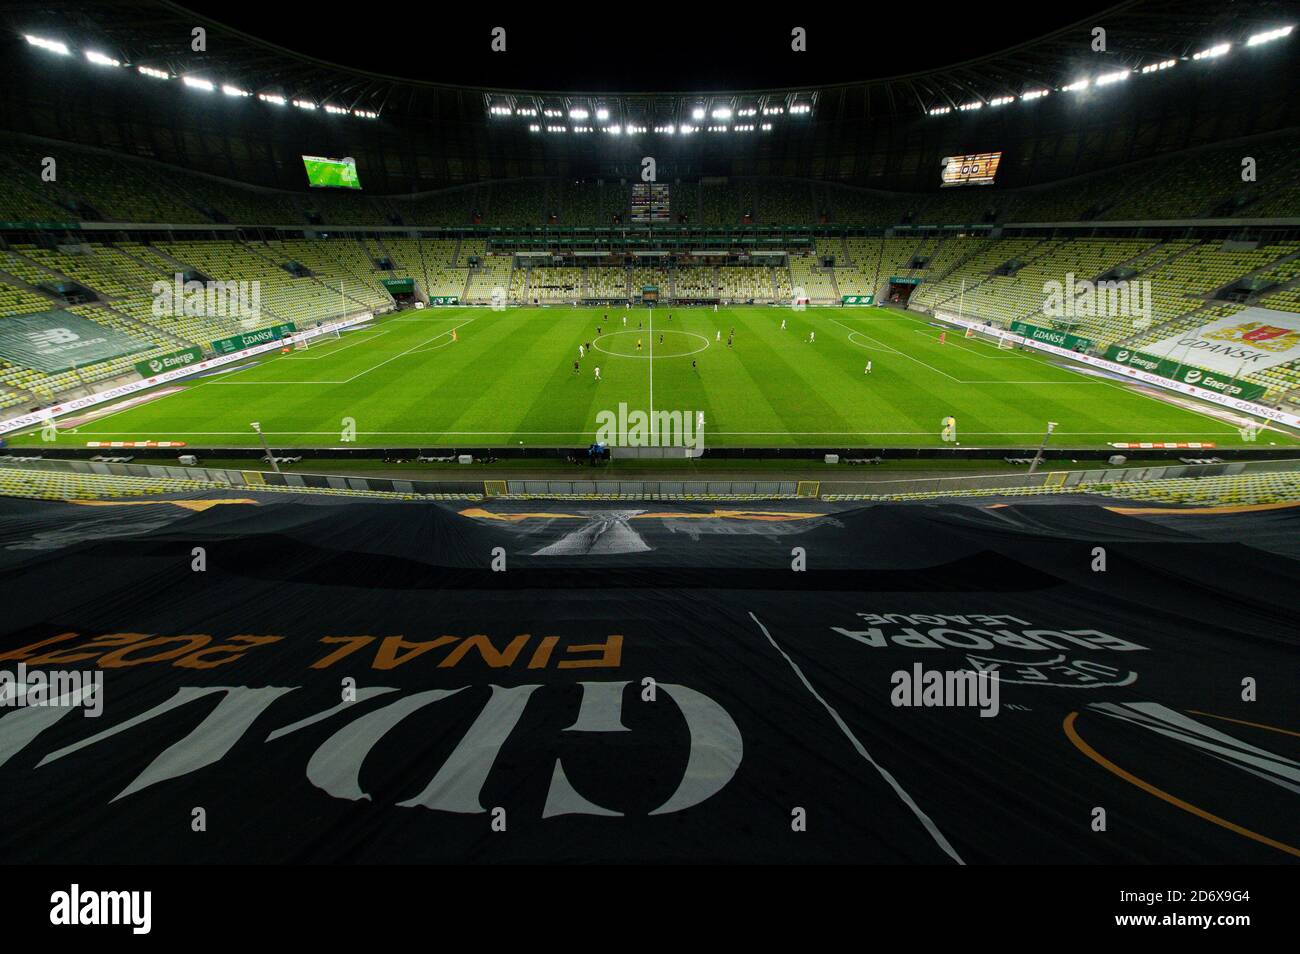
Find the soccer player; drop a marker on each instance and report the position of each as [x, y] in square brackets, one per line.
[638, 344]
[718, 336]
[625, 321]
[783, 324]
[868, 371]
[661, 339]
[575, 367]
[728, 341]
[694, 367]
[581, 352]
[812, 336]
[453, 335]
[943, 336]
[597, 372]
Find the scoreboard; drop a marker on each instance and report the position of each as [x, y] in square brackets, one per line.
[977, 169]
[650, 202]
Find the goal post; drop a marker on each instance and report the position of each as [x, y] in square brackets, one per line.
[990, 336]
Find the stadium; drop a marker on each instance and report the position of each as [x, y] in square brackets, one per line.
[815, 396]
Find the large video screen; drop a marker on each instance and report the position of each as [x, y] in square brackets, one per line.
[978, 169]
[650, 202]
[331, 173]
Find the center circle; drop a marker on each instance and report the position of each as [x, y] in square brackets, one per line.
[675, 344]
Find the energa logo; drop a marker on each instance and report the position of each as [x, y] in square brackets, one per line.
[1192, 376]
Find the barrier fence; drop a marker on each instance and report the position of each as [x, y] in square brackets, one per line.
[664, 489]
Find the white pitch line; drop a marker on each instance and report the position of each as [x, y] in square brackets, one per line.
[996, 357]
[1133, 389]
[902, 354]
[334, 351]
[864, 347]
[652, 363]
[427, 350]
[408, 351]
[893, 350]
[1037, 433]
[892, 782]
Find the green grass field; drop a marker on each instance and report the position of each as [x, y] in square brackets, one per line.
[509, 379]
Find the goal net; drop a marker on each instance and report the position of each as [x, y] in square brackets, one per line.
[987, 336]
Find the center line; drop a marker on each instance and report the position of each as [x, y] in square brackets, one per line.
[652, 363]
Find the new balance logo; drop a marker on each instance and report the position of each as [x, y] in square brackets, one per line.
[54, 336]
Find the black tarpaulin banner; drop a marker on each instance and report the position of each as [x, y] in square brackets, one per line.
[289, 680]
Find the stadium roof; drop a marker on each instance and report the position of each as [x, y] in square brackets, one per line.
[157, 34]
[884, 129]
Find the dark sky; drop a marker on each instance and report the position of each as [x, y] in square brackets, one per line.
[582, 48]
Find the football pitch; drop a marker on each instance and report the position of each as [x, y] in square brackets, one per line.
[508, 378]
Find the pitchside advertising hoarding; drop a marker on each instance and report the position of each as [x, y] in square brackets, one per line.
[1051, 336]
[252, 338]
[169, 362]
[444, 300]
[1219, 383]
[856, 299]
[24, 421]
[1197, 389]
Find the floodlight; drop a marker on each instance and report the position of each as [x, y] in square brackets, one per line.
[1269, 35]
[54, 46]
